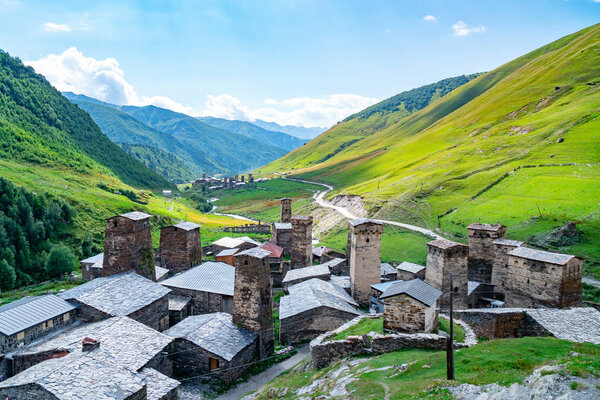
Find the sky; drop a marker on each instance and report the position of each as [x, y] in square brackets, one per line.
[304, 62]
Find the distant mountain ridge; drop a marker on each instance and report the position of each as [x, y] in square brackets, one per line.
[298, 131]
[273, 138]
[193, 146]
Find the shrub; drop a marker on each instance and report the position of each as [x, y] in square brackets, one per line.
[60, 261]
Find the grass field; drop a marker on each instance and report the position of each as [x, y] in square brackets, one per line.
[502, 361]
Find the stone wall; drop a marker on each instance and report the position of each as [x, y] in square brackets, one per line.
[30, 391]
[365, 258]
[283, 239]
[500, 267]
[155, 315]
[404, 314]
[249, 228]
[532, 283]
[501, 323]
[310, 324]
[323, 352]
[128, 246]
[188, 359]
[10, 343]
[301, 241]
[278, 271]
[205, 302]
[180, 249]
[252, 298]
[443, 261]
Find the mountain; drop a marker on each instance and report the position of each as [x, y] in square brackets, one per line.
[39, 126]
[157, 150]
[273, 138]
[518, 145]
[214, 150]
[298, 131]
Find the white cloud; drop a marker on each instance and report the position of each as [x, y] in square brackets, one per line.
[52, 27]
[430, 18]
[104, 80]
[462, 29]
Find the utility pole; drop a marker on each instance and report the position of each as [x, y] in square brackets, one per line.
[450, 340]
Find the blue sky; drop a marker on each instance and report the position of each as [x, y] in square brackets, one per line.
[299, 62]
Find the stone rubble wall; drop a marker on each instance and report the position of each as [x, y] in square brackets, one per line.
[249, 228]
[324, 352]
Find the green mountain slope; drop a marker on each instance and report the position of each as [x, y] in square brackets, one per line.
[273, 138]
[170, 158]
[38, 125]
[516, 145]
[366, 122]
[223, 151]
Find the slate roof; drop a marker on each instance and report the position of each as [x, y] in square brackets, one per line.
[508, 242]
[117, 295]
[94, 259]
[160, 273]
[319, 251]
[136, 215]
[215, 333]
[472, 285]
[157, 384]
[540, 255]
[445, 244]
[211, 277]
[340, 281]
[255, 252]
[310, 297]
[272, 248]
[360, 221]
[131, 343]
[329, 287]
[306, 273]
[387, 269]
[410, 267]
[91, 375]
[282, 225]
[417, 289]
[335, 262]
[382, 287]
[485, 227]
[177, 303]
[187, 226]
[232, 243]
[228, 252]
[31, 311]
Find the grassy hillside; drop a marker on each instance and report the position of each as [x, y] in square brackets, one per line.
[272, 138]
[214, 150]
[517, 145]
[39, 126]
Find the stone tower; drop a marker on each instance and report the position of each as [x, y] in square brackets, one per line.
[282, 236]
[252, 298]
[445, 257]
[286, 210]
[482, 250]
[301, 241]
[365, 257]
[128, 245]
[250, 178]
[180, 246]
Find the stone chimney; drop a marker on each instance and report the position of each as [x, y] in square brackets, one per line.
[286, 210]
[301, 241]
[482, 250]
[252, 297]
[128, 245]
[89, 344]
[365, 257]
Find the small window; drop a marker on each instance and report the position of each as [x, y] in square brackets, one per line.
[21, 335]
[214, 364]
[66, 317]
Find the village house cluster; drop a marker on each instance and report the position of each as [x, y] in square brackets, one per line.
[210, 183]
[143, 319]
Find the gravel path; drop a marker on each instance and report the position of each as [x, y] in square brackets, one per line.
[319, 198]
[265, 377]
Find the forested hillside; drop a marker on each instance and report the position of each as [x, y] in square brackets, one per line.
[516, 145]
[38, 125]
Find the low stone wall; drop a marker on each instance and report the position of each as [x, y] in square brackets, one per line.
[249, 228]
[323, 352]
[500, 323]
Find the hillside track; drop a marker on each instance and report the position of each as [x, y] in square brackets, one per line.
[319, 198]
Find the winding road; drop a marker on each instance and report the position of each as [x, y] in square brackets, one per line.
[319, 198]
